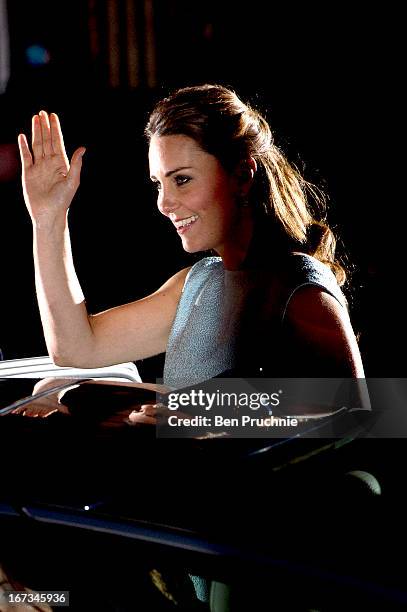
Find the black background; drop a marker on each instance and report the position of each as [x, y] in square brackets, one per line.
[326, 79]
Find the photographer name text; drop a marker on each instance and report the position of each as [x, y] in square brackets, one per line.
[221, 421]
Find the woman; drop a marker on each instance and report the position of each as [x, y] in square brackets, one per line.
[268, 304]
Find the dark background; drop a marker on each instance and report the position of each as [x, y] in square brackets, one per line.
[326, 79]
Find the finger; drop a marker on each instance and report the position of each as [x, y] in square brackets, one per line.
[40, 411]
[25, 153]
[48, 412]
[18, 411]
[162, 409]
[56, 136]
[31, 412]
[45, 133]
[36, 138]
[149, 409]
[141, 417]
[74, 173]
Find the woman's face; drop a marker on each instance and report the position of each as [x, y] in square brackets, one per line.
[195, 193]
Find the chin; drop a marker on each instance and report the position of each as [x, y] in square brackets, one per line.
[198, 246]
[191, 247]
[188, 248]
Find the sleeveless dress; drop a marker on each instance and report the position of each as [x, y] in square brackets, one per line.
[232, 322]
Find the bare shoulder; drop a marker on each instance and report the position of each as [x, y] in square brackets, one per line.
[319, 321]
[313, 305]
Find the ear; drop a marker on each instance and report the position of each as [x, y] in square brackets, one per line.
[245, 172]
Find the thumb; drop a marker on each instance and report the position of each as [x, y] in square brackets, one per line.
[76, 165]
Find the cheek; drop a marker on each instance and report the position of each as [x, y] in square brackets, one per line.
[222, 197]
[225, 204]
[213, 199]
[203, 201]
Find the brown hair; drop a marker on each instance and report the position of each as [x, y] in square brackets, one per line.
[233, 131]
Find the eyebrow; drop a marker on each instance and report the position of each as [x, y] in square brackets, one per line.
[167, 174]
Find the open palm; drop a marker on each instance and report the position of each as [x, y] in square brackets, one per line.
[49, 181]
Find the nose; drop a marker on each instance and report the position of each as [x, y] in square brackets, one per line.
[166, 205]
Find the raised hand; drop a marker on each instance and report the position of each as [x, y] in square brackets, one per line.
[49, 181]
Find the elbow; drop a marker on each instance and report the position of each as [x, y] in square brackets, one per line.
[76, 360]
[70, 354]
[66, 360]
[61, 360]
[75, 351]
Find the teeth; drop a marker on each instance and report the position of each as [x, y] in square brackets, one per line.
[187, 221]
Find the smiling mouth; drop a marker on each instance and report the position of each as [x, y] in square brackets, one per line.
[184, 224]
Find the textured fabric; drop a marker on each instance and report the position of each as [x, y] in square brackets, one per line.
[201, 586]
[232, 320]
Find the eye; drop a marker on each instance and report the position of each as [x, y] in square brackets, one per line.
[157, 185]
[182, 179]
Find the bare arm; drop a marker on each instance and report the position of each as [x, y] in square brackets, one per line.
[126, 333]
[325, 341]
[321, 328]
[74, 338]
